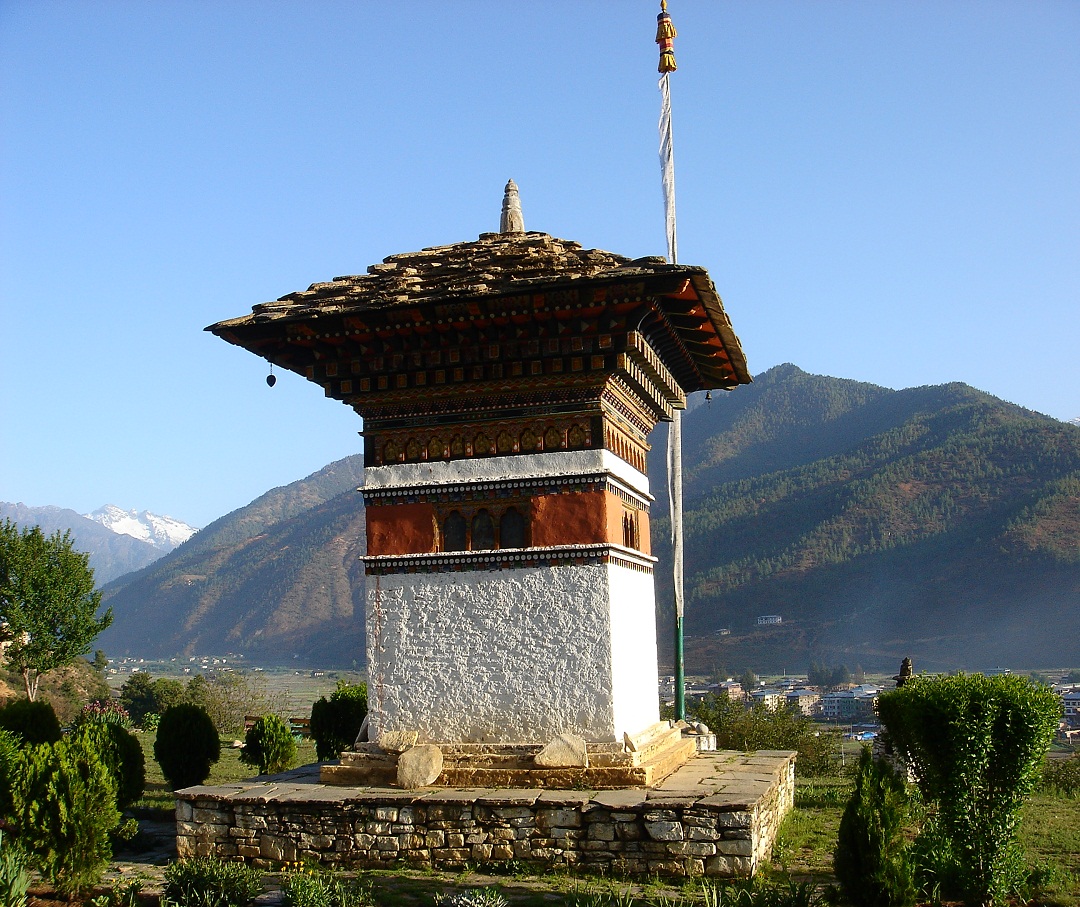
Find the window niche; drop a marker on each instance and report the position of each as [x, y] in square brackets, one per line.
[454, 533]
[483, 530]
[512, 529]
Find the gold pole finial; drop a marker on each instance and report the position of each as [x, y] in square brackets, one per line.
[665, 34]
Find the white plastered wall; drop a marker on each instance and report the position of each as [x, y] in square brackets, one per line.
[514, 655]
[557, 464]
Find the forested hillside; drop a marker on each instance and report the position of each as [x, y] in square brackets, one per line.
[277, 578]
[937, 522]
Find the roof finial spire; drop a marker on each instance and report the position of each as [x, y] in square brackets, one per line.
[512, 220]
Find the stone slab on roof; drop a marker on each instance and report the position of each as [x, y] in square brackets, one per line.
[494, 264]
[498, 265]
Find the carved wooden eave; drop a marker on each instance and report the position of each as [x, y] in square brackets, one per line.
[497, 282]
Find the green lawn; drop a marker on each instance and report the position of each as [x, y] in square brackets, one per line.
[1050, 835]
[159, 796]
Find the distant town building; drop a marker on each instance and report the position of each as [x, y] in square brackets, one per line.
[771, 699]
[849, 705]
[1070, 699]
[766, 619]
[804, 702]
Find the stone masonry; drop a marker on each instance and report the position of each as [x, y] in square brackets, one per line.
[716, 816]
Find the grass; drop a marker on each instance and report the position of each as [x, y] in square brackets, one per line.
[158, 795]
[1049, 835]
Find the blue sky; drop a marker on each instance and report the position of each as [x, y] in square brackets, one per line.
[884, 191]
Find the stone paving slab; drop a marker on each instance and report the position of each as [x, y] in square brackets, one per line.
[454, 795]
[668, 800]
[510, 797]
[381, 794]
[318, 793]
[557, 798]
[620, 799]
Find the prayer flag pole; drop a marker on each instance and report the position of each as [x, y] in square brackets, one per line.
[665, 34]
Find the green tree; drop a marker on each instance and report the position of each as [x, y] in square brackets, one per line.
[137, 696]
[47, 601]
[167, 693]
[197, 692]
[872, 862]
[336, 723]
[269, 746]
[63, 809]
[975, 745]
[187, 744]
[761, 728]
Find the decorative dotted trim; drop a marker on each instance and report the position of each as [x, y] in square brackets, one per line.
[508, 559]
[447, 493]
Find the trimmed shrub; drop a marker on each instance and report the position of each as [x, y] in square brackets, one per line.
[871, 858]
[32, 722]
[64, 809]
[336, 722]
[186, 745]
[124, 757]
[269, 746]
[975, 745]
[210, 882]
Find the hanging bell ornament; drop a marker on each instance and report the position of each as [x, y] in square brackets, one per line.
[271, 379]
[665, 34]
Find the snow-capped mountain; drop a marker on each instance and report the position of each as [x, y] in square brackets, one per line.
[163, 532]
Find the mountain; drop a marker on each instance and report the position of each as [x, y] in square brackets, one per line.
[936, 522]
[277, 578]
[163, 532]
[111, 555]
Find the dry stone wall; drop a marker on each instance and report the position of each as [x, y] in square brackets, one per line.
[629, 831]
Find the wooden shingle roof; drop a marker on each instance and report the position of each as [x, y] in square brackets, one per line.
[497, 264]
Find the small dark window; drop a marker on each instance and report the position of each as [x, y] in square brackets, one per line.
[630, 529]
[512, 529]
[483, 531]
[454, 532]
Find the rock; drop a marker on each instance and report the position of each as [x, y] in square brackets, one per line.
[563, 751]
[396, 741]
[419, 766]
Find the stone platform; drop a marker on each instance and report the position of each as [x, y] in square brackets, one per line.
[717, 815]
[641, 761]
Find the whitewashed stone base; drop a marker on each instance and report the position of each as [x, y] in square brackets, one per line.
[519, 654]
